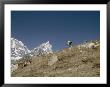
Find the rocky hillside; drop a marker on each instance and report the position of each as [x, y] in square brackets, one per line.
[77, 61]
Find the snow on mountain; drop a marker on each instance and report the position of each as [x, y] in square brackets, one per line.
[44, 48]
[18, 49]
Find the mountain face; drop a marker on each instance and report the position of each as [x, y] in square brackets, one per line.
[19, 50]
[69, 62]
[44, 48]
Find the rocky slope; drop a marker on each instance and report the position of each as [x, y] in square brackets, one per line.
[20, 52]
[77, 61]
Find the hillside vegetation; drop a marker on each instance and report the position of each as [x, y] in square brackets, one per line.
[68, 62]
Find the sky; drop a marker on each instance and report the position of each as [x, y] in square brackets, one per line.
[36, 27]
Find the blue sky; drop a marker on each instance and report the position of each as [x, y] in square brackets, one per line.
[36, 27]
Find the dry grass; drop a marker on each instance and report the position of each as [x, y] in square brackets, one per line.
[72, 62]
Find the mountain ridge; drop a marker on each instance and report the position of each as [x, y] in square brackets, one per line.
[18, 49]
[77, 61]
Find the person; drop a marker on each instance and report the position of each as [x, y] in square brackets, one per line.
[85, 42]
[69, 43]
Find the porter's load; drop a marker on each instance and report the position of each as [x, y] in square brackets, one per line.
[69, 43]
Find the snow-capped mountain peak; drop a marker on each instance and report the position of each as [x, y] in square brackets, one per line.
[19, 50]
[44, 48]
